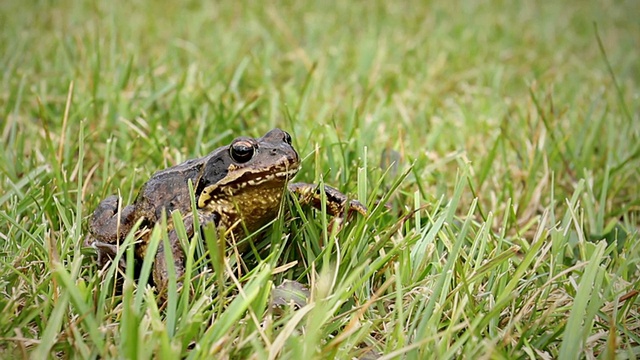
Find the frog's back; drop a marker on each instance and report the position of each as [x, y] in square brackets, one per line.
[168, 189]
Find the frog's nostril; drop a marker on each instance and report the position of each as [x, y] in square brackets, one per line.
[274, 151]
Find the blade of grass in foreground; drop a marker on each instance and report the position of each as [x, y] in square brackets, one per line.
[579, 323]
[79, 302]
[131, 314]
[235, 311]
[430, 318]
[445, 275]
[49, 336]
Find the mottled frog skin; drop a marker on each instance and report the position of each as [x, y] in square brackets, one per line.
[239, 186]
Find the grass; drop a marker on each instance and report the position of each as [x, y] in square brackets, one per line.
[503, 138]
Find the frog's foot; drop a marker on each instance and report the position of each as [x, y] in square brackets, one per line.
[106, 252]
[337, 202]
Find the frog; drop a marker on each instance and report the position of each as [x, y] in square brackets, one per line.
[238, 189]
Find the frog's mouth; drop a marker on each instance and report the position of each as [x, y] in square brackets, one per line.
[259, 179]
[243, 179]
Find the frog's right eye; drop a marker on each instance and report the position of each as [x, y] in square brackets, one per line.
[241, 151]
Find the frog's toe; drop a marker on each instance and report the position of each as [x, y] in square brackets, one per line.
[355, 205]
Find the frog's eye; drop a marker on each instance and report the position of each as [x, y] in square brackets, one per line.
[241, 152]
[287, 138]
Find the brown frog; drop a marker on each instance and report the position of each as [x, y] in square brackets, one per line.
[237, 187]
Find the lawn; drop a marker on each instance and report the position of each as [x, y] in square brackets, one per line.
[496, 145]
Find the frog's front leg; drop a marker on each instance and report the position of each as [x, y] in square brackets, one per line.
[337, 202]
[160, 268]
[108, 227]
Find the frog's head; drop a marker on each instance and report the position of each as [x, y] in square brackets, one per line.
[249, 166]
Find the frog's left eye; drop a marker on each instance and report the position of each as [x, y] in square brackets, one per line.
[241, 151]
[287, 138]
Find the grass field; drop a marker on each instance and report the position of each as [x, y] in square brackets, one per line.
[496, 144]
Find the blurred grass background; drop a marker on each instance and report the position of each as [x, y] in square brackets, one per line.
[413, 76]
[514, 104]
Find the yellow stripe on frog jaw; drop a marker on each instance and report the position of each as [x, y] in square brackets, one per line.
[204, 197]
[232, 174]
